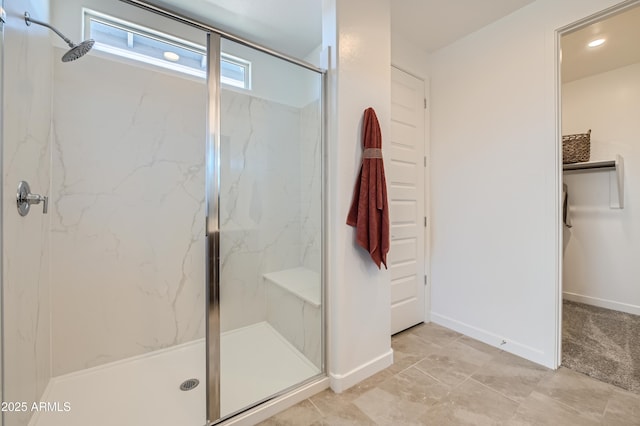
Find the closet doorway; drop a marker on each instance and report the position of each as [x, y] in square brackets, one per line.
[600, 103]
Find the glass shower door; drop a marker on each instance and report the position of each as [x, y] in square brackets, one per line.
[270, 228]
[104, 296]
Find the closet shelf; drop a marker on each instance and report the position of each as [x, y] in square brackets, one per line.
[616, 177]
[611, 164]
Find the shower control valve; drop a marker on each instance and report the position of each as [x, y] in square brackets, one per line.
[24, 199]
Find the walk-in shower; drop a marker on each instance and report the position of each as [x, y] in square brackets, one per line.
[177, 278]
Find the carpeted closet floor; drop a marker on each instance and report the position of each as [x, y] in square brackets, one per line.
[602, 343]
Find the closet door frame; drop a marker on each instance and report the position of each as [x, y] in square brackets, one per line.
[559, 178]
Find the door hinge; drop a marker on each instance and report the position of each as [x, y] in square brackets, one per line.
[425, 103]
[425, 221]
[425, 279]
[425, 161]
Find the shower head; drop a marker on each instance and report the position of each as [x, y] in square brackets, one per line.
[76, 51]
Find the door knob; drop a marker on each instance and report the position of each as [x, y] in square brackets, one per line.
[24, 199]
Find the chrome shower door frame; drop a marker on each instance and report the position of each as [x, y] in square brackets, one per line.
[2, 21]
[212, 202]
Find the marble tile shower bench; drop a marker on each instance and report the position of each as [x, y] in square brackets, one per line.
[294, 308]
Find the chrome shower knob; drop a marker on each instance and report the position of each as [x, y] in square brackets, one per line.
[24, 199]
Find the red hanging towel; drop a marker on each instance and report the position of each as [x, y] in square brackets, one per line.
[369, 212]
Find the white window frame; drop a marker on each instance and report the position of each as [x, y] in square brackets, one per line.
[89, 15]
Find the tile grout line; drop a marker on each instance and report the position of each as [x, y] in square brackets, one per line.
[564, 404]
[415, 364]
[439, 347]
[432, 377]
[498, 392]
[434, 343]
[468, 377]
[322, 415]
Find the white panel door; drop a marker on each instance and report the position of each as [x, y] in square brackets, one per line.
[405, 179]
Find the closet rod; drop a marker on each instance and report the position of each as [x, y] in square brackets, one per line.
[611, 164]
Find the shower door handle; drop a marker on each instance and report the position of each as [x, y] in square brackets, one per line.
[24, 199]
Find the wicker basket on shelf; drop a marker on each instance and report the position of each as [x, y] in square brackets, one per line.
[576, 148]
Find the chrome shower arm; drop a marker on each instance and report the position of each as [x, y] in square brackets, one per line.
[28, 20]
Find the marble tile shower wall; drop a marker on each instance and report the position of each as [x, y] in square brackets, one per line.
[128, 209]
[311, 191]
[261, 202]
[26, 134]
[127, 214]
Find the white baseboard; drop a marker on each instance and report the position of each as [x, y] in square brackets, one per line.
[602, 303]
[495, 340]
[342, 382]
[273, 407]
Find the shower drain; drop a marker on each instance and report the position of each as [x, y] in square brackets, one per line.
[187, 385]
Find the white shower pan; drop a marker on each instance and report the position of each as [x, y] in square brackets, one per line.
[256, 362]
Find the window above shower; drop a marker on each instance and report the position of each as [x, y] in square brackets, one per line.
[135, 42]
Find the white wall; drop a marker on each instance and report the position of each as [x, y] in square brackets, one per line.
[409, 57]
[495, 192]
[600, 261]
[26, 135]
[359, 77]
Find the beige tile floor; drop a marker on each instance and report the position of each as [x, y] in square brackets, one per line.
[440, 377]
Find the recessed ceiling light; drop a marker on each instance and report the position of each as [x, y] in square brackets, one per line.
[171, 56]
[596, 43]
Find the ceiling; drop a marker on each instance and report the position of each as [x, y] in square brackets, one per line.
[432, 24]
[622, 35]
[294, 27]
